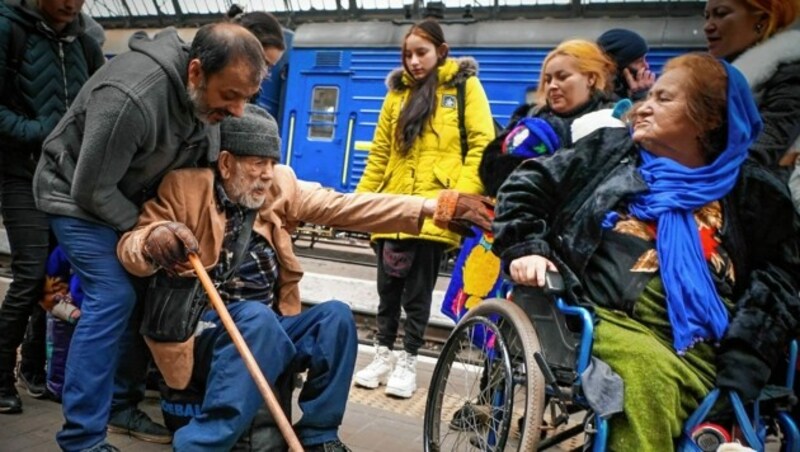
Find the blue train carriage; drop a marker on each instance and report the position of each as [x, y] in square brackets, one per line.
[335, 86]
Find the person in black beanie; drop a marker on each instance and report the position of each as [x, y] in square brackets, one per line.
[629, 50]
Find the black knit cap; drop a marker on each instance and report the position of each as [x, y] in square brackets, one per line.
[624, 46]
[255, 133]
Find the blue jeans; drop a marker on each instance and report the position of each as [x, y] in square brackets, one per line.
[102, 335]
[321, 340]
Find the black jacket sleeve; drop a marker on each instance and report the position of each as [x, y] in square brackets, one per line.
[495, 167]
[543, 191]
[780, 109]
[767, 313]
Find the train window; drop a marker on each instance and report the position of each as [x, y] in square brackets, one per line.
[322, 117]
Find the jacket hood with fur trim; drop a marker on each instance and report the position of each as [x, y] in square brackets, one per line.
[452, 72]
[759, 63]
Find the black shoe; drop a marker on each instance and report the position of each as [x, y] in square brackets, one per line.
[470, 417]
[10, 403]
[35, 383]
[134, 422]
[330, 446]
[102, 447]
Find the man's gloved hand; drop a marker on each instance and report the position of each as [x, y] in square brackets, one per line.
[458, 212]
[743, 372]
[169, 245]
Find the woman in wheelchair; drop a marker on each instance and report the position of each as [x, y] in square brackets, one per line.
[687, 252]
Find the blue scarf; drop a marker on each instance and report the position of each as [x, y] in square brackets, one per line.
[695, 309]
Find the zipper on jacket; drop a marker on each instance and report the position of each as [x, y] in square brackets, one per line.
[63, 73]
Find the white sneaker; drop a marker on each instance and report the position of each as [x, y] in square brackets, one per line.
[403, 381]
[377, 372]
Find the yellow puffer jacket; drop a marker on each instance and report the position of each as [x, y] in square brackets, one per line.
[434, 161]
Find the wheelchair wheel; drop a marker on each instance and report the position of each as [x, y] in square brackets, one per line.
[486, 392]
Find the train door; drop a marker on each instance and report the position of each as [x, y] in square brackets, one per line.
[319, 138]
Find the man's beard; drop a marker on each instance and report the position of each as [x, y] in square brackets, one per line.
[240, 193]
[202, 111]
[197, 98]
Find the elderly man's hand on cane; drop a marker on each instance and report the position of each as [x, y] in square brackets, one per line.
[168, 245]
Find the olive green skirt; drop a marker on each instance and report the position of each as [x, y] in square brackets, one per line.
[662, 389]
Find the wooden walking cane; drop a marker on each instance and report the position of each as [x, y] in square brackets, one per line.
[272, 403]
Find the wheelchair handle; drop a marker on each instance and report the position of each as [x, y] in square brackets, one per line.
[553, 283]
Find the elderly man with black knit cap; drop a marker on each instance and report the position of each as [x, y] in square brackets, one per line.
[629, 51]
[212, 212]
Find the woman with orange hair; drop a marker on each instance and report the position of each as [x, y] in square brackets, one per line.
[575, 79]
[686, 252]
[753, 36]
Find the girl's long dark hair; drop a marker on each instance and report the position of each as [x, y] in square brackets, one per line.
[421, 101]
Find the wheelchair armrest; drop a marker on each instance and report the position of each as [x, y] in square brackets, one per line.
[553, 283]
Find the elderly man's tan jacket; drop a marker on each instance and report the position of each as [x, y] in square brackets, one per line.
[187, 196]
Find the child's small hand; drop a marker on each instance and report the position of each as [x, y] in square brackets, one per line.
[54, 289]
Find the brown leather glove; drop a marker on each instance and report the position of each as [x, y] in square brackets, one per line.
[458, 212]
[169, 245]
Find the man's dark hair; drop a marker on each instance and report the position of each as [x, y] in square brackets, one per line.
[220, 44]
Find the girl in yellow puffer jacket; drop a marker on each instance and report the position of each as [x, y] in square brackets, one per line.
[417, 150]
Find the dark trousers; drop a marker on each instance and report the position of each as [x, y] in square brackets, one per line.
[321, 340]
[29, 237]
[413, 293]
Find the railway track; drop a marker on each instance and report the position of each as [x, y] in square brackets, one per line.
[344, 248]
[435, 335]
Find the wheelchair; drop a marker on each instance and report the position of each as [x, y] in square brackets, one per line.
[509, 378]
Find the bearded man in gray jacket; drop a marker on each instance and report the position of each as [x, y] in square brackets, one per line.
[146, 112]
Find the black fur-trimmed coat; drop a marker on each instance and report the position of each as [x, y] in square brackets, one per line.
[554, 207]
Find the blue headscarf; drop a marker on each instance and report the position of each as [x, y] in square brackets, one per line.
[695, 309]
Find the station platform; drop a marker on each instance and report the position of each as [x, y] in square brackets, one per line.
[373, 421]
